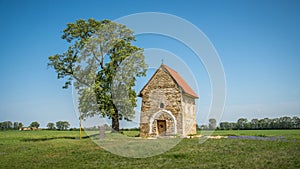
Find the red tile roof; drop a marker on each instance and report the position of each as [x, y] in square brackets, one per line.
[179, 80]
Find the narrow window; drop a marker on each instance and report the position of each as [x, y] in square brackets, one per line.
[162, 105]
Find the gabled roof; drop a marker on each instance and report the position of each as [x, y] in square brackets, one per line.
[178, 79]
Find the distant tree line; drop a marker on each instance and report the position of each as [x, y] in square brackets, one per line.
[60, 125]
[255, 124]
[265, 123]
[241, 124]
[8, 125]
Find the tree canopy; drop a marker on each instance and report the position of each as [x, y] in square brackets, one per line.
[35, 124]
[265, 123]
[51, 126]
[104, 65]
[62, 125]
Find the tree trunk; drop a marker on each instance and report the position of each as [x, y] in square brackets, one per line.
[115, 121]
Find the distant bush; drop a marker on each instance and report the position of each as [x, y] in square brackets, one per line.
[75, 129]
[130, 129]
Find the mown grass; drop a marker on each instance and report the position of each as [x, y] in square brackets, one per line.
[189, 153]
[261, 133]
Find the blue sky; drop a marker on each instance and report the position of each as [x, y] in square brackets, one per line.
[257, 41]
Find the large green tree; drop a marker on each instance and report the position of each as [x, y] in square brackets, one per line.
[20, 125]
[241, 123]
[16, 125]
[104, 65]
[6, 125]
[35, 124]
[51, 126]
[62, 125]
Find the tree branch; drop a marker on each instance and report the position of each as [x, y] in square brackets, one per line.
[80, 81]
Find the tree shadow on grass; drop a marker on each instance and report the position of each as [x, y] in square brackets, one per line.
[54, 138]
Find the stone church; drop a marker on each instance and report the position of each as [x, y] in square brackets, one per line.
[168, 105]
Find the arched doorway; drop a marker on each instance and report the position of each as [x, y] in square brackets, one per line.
[163, 123]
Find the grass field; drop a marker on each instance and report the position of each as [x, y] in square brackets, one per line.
[189, 153]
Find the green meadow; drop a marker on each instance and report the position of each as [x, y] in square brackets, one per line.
[63, 149]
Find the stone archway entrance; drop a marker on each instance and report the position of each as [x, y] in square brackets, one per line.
[163, 123]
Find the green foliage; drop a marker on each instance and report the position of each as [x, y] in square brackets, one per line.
[62, 125]
[20, 125]
[204, 127]
[265, 123]
[16, 125]
[35, 124]
[104, 64]
[6, 125]
[51, 126]
[242, 123]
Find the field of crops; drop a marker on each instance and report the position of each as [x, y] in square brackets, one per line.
[59, 149]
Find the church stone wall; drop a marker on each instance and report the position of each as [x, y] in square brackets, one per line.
[161, 93]
[189, 115]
